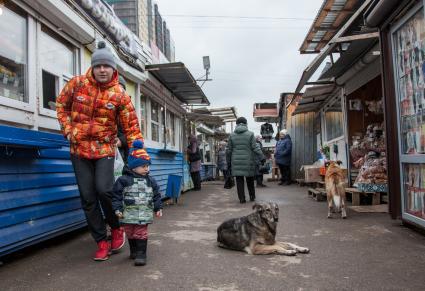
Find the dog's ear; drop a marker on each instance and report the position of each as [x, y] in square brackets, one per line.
[258, 207]
[339, 163]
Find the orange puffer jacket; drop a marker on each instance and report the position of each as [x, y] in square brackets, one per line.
[88, 113]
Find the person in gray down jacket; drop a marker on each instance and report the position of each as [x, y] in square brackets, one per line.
[242, 152]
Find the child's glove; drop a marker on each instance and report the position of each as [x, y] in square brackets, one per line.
[118, 214]
[158, 213]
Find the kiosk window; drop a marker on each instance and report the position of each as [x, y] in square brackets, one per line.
[13, 53]
[58, 62]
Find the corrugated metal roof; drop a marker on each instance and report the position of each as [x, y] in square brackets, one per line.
[313, 98]
[330, 18]
[228, 114]
[177, 78]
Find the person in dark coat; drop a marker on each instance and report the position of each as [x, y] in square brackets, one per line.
[194, 157]
[243, 152]
[282, 156]
[222, 160]
[258, 165]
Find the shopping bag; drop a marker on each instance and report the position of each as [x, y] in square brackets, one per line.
[118, 165]
[265, 169]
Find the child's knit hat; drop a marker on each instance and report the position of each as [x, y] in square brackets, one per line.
[138, 155]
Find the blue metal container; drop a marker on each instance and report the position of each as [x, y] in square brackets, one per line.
[39, 198]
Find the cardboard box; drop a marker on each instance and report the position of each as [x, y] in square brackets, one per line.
[312, 173]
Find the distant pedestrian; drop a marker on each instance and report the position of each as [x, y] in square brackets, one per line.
[222, 159]
[283, 152]
[135, 198]
[88, 109]
[259, 165]
[243, 152]
[194, 156]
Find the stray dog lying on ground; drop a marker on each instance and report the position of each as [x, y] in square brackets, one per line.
[335, 190]
[255, 233]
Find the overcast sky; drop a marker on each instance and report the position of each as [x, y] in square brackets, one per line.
[252, 59]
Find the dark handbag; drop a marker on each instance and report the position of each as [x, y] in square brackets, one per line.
[264, 169]
[193, 157]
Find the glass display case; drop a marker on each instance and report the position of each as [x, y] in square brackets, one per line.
[408, 41]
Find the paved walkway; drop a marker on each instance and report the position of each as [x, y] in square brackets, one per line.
[368, 251]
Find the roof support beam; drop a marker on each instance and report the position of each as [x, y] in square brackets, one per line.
[355, 37]
[314, 65]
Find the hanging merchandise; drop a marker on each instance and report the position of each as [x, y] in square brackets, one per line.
[373, 140]
[376, 107]
[368, 154]
[267, 131]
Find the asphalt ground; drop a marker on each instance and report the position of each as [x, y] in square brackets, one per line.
[367, 251]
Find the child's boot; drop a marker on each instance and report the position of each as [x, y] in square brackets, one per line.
[141, 245]
[133, 248]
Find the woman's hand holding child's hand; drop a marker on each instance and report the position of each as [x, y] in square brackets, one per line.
[118, 214]
[158, 213]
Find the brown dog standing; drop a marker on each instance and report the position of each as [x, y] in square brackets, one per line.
[334, 182]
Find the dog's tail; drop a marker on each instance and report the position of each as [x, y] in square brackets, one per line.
[337, 202]
[336, 197]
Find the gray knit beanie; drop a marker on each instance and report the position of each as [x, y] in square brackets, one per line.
[103, 56]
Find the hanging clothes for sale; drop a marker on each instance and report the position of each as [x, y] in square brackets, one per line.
[267, 131]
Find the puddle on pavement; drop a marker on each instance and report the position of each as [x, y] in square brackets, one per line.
[224, 287]
[266, 273]
[154, 275]
[304, 275]
[320, 232]
[155, 242]
[190, 223]
[348, 237]
[375, 230]
[283, 261]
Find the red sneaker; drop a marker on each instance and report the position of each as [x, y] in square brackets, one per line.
[102, 253]
[118, 239]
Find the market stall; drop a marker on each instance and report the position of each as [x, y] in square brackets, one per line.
[366, 138]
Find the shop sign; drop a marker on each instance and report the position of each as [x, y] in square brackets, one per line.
[106, 18]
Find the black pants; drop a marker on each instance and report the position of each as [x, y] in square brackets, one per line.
[225, 174]
[241, 188]
[285, 174]
[259, 179]
[95, 179]
[196, 178]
